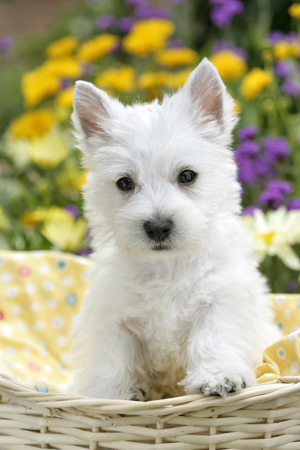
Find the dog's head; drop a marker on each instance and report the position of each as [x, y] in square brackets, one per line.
[159, 173]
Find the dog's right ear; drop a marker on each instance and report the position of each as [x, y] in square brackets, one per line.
[91, 114]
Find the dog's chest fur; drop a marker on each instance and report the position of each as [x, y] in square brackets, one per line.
[166, 297]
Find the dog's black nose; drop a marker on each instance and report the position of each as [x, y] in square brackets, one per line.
[158, 230]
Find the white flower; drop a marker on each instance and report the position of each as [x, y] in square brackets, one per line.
[274, 233]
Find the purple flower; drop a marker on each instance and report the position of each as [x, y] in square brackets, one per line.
[125, 24]
[105, 21]
[292, 286]
[263, 167]
[247, 173]
[65, 83]
[223, 11]
[117, 48]
[84, 251]
[292, 36]
[293, 203]
[246, 158]
[86, 67]
[175, 43]
[6, 43]
[275, 193]
[240, 52]
[247, 148]
[135, 2]
[73, 210]
[249, 210]
[221, 45]
[275, 148]
[275, 36]
[247, 132]
[291, 88]
[271, 199]
[160, 13]
[280, 186]
[283, 68]
[145, 11]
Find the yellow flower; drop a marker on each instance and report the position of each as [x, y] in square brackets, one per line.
[49, 150]
[284, 49]
[150, 80]
[16, 150]
[178, 79]
[38, 85]
[230, 65]
[28, 219]
[267, 55]
[62, 113]
[148, 36]
[66, 233]
[82, 179]
[237, 107]
[294, 10]
[64, 67]
[70, 176]
[62, 47]
[65, 97]
[122, 79]
[254, 83]
[97, 47]
[45, 80]
[4, 222]
[176, 57]
[32, 124]
[54, 213]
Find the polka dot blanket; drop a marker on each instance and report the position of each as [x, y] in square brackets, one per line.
[40, 295]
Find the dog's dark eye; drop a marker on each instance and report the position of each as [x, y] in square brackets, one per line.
[125, 184]
[186, 176]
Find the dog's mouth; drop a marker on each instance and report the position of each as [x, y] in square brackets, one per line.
[161, 247]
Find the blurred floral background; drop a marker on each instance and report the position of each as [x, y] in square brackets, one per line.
[138, 49]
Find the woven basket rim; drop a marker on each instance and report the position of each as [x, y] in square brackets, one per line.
[25, 395]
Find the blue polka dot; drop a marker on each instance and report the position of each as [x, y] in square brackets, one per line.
[8, 363]
[298, 303]
[71, 299]
[61, 264]
[40, 388]
[280, 325]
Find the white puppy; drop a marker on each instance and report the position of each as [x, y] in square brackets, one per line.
[176, 302]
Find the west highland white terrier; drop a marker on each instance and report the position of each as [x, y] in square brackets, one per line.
[176, 303]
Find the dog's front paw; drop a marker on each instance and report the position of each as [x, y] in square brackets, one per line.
[219, 383]
[139, 393]
[222, 386]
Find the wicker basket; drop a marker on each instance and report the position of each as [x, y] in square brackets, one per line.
[264, 417]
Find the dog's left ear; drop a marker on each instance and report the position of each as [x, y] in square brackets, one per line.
[210, 103]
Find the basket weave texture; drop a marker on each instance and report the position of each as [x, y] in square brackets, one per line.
[263, 417]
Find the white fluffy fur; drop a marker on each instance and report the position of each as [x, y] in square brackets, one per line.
[191, 318]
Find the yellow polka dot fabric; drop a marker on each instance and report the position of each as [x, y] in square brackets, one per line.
[283, 357]
[40, 296]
